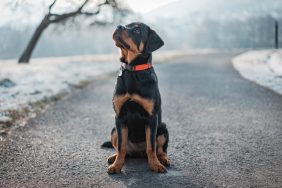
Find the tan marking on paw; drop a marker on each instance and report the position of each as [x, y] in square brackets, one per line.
[153, 161]
[120, 155]
[156, 166]
[114, 169]
[162, 156]
[164, 160]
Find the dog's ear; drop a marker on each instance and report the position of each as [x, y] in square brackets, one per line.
[154, 41]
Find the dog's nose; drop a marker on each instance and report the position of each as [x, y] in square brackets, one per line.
[120, 27]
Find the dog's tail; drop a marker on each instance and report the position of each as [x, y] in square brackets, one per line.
[107, 144]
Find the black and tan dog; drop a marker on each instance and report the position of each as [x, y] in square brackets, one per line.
[137, 101]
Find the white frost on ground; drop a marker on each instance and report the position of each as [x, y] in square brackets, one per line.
[42, 79]
[263, 67]
[275, 62]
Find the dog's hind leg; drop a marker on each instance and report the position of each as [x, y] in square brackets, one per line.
[162, 143]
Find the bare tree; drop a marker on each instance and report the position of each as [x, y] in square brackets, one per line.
[51, 18]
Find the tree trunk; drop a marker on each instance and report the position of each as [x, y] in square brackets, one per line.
[33, 41]
[54, 18]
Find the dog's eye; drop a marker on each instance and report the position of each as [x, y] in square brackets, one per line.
[137, 31]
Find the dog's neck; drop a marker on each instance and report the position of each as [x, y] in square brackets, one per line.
[138, 60]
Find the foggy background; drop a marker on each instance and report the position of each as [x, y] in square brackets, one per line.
[183, 24]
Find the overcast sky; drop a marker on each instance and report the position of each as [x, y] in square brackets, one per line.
[11, 15]
[143, 6]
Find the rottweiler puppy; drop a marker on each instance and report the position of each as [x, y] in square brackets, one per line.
[137, 101]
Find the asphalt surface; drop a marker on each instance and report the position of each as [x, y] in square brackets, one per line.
[224, 132]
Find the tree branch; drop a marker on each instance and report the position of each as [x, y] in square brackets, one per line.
[90, 13]
[83, 4]
[51, 6]
[60, 17]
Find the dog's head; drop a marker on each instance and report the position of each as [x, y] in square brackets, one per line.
[136, 39]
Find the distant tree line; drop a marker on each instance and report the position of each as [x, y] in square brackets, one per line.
[253, 32]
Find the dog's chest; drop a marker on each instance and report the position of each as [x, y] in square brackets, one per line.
[140, 87]
[136, 82]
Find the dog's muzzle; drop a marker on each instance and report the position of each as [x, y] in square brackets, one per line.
[118, 39]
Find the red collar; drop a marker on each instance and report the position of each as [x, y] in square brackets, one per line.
[136, 67]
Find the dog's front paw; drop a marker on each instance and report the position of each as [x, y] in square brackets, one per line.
[164, 160]
[157, 167]
[114, 169]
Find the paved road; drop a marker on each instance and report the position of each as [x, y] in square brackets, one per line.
[225, 132]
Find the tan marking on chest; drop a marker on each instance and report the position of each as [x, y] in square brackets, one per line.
[119, 100]
[147, 104]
